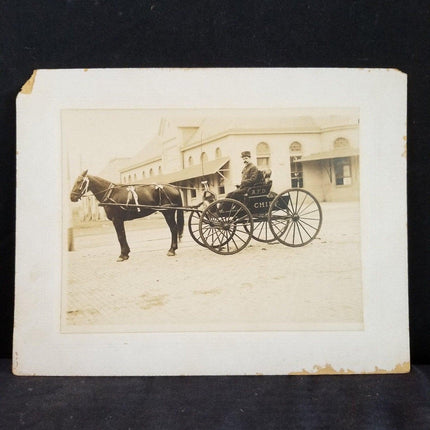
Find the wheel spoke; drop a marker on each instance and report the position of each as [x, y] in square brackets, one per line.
[300, 233]
[296, 221]
[303, 201]
[309, 225]
[259, 229]
[294, 232]
[286, 229]
[290, 202]
[309, 212]
[242, 218]
[310, 237]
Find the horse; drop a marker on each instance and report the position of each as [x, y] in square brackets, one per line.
[123, 203]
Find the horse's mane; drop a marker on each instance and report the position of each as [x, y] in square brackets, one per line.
[98, 179]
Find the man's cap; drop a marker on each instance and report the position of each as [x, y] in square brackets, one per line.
[245, 154]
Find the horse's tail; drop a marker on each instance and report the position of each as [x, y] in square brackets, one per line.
[180, 217]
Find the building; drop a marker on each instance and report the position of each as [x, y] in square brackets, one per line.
[319, 153]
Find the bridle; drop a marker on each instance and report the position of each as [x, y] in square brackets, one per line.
[83, 188]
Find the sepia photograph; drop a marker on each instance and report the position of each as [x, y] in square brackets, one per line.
[211, 222]
[221, 219]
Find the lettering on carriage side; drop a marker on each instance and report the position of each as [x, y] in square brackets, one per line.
[259, 205]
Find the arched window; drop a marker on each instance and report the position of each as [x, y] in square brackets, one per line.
[129, 179]
[296, 167]
[204, 157]
[143, 174]
[135, 177]
[263, 155]
[151, 172]
[296, 147]
[341, 142]
[159, 170]
[218, 153]
[190, 161]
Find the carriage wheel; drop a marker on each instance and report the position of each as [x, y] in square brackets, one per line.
[295, 217]
[193, 227]
[262, 231]
[226, 226]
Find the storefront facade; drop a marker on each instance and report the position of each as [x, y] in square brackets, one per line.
[322, 159]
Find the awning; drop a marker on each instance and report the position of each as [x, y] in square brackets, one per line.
[335, 153]
[199, 170]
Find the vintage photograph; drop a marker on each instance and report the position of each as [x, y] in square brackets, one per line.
[211, 220]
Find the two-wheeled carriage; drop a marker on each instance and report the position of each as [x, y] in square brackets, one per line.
[226, 226]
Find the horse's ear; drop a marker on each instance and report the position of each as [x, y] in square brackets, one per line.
[84, 173]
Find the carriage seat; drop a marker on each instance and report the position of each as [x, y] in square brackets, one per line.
[263, 185]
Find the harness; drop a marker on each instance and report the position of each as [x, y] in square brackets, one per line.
[84, 185]
[133, 198]
[132, 201]
[132, 193]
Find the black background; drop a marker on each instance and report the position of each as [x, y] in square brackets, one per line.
[168, 33]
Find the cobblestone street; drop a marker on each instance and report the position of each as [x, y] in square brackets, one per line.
[264, 287]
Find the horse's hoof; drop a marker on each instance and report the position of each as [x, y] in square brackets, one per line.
[122, 258]
[171, 253]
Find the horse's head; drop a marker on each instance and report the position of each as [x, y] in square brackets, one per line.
[80, 187]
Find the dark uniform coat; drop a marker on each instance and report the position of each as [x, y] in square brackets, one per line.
[249, 176]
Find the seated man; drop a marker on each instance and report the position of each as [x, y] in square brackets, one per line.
[250, 177]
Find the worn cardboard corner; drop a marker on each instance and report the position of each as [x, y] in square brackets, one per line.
[27, 88]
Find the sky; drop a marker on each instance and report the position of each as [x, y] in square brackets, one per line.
[93, 137]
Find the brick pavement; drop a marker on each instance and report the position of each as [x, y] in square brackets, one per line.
[262, 287]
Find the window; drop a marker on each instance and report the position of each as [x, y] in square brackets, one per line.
[193, 193]
[263, 155]
[129, 179]
[190, 161]
[151, 172]
[296, 147]
[204, 157]
[296, 167]
[135, 176]
[296, 172]
[143, 174]
[341, 142]
[342, 170]
[159, 170]
[218, 153]
[221, 188]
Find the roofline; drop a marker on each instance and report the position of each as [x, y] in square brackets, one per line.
[263, 131]
[141, 164]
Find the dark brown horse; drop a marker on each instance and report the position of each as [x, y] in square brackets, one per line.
[122, 201]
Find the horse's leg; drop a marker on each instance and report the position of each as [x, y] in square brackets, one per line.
[120, 232]
[170, 219]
